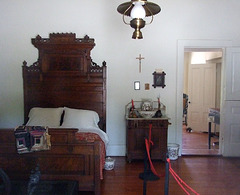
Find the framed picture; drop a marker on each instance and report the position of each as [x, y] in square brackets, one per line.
[159, 79]
[147, 86]
[137, 85]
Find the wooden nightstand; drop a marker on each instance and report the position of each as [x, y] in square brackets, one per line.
[138, 129]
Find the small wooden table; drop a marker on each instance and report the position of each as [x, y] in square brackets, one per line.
[213, 117]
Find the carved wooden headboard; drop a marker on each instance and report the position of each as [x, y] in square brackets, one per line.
[65, 75]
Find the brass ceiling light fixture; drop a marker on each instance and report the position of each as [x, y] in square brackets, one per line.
[138, 10]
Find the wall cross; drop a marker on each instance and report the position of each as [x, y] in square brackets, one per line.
[140, 58]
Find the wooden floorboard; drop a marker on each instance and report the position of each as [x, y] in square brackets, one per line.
[204, 170]
[207, 175]
[196, 143]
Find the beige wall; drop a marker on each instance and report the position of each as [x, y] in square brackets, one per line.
[179, 20]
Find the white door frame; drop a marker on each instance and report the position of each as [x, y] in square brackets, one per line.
[197, 45]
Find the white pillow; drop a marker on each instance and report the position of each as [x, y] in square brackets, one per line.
[78, 118]
[50, 117]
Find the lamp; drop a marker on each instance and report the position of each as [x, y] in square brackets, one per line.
[138, 10]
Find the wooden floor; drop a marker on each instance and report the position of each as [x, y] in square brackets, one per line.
[207, 175]
[204, 170]
[196, 143]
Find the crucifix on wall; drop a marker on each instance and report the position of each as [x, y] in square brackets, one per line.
[140, 58]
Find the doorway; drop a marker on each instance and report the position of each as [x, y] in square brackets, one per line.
[225, 143]
[201, 91]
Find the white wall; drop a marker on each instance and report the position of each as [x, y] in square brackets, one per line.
[192, 20]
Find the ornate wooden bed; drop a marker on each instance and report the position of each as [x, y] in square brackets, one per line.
[63, 76]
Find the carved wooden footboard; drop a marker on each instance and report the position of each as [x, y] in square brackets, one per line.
[68, 159]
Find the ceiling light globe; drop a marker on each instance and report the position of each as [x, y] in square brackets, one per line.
[138, 11]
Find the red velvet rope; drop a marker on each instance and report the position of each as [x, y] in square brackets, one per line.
[148, 144]
[180, 182]
[150, 161]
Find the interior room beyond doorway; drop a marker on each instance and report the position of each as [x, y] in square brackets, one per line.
[201, 91]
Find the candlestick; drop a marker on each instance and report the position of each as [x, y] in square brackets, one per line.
[132, 104]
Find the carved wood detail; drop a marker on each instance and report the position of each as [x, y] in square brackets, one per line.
[65, 75]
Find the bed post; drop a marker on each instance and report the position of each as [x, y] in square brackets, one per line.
[97, 181]
[104, 93]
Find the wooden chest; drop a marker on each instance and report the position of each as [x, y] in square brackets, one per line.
[138, 130]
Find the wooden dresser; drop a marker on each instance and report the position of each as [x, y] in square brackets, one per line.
[138, 129]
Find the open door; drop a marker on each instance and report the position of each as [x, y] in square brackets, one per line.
[230, 115]
[202, 94]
